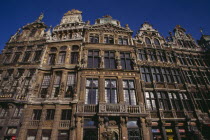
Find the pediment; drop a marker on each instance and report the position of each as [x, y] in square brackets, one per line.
[109, 27]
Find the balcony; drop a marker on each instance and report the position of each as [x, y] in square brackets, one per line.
[109, 108]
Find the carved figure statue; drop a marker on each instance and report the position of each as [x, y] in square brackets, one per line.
[48, 33]
[40, 17]
[15, 35]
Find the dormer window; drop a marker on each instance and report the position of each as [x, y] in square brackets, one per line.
[148, 41]
[157, 42]
[94, 38]
[109, 39]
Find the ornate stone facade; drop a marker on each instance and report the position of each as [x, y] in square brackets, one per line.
[79, 81]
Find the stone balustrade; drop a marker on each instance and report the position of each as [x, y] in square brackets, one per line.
[64, 124]
[109, 108]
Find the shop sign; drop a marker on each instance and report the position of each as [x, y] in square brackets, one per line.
[182, 130]
[170, 138]
[155, 130]
[169, 130]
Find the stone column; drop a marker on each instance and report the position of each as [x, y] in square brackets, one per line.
[101, 128]
[145, 129]
[27, 114]
[123, 128]
[56, 122]
[101, 89]
[82, 89]
[120, 91]
[72, 124]
[79, 128]
[42, 119]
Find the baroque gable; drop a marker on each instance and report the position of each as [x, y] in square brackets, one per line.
[108, 27]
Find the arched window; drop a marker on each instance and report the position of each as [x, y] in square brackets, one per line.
[147, 40]
[157, 42]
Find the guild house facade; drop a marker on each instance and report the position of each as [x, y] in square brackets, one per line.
[82, 81]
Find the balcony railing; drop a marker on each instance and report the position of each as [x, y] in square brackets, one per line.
[109, 108]
[64, 123]
[12, 96]
[34, 123]
[91, 108]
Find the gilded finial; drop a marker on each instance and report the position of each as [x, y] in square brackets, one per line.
[201, 30]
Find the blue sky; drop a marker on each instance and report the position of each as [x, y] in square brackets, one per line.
[164, 15]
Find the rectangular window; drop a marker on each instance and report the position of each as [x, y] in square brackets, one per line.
[31, 73]
[186, 101]
[133, 130]
[46, 134]
[125, 41]
[176, 76]
[205, 77]
[142, 55]
[91, 91]
[31, 134]
[190, 60]
[111, 91]
[50, 114]
[3, 113]
[146, 74]
[129, 92]
[152, 55]
[51, 59]
[109, 59]
[176, 103]
[120, 41]
[66, 114]
[126, 61]
[26, 56]
[198, 77]
[16, 57]
[198, 59]
[36, 114]
[182, 59]
[11, 130]
[56, 85]
[37, 55]
[18, 112]
[94, 39]
[161, 56]
[156, 73]
[7, 58]
[93, 59]
[164, 102]
[167, 75]
[62, 57]
[74, 57]
[199, 101]
[20, 73]
[109, 40]
[63, 135]
[45, 85]
[150, 100]
[171, 57]
[70, 85]
[189, 77]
